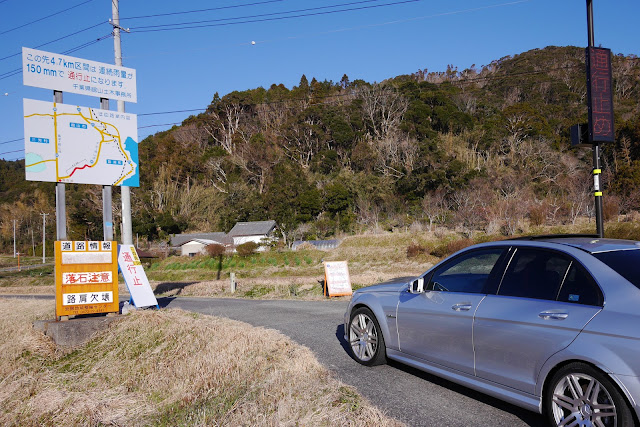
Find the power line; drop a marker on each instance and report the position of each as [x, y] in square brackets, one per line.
[10, 141]
[56, 40]
[17, 71]
[45, 17]
[260, 15]
[170, 112]
[277, 18]
[202, 10]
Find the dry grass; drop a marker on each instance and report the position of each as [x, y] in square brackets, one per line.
[168, 367]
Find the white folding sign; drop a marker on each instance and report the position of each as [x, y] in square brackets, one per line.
[135, 277]
[76, 75]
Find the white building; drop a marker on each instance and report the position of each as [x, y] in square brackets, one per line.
[253, 231]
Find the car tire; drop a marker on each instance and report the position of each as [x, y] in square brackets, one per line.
[365, 338]
[579, 394]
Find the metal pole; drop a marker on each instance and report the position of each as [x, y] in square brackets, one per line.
[61, 203]
[14, 238]
[126, 231]
[107, 205]
[596, 146]
[44, 218]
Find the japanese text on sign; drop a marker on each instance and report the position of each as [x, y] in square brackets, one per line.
[135, 277]
[87, 298]
[600, 95]
[69, 74]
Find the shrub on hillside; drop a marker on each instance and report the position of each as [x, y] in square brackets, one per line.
[247, 249]
[215, 250]
[414, 249]
[447, 248]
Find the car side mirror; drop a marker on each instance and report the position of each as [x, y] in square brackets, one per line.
[417, 286]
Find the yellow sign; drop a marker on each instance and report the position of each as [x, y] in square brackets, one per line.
[336, 279]
[86, 277]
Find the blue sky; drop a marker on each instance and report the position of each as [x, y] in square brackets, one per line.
[378, 39]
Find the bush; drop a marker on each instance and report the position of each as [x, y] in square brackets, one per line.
[215, 250]
[247, 249]
[451, 247]
[414, 249]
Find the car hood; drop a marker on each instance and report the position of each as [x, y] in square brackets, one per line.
[395, 285]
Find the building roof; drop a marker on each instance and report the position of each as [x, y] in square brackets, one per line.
[252, 228]
[217, 237]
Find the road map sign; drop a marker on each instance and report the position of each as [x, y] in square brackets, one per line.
[67, 143]
[76, 75]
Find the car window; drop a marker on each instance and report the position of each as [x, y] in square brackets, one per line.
[534, 273]
[625, 263]
[580, 288]
[465, 273]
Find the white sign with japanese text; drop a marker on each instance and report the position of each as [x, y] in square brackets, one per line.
[87, 298]
[337, 278]
[69, 74]
[135, 277]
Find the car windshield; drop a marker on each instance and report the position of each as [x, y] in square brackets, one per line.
[625, 263]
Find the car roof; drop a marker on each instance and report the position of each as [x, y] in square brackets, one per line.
[588, 243]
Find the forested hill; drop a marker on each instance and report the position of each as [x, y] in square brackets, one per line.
[485, 148]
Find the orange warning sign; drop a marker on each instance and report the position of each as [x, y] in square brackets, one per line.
[86, 277]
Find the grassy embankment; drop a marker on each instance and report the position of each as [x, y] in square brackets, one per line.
[288, 274]
[167, 367]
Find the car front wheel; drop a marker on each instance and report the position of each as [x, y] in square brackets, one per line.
[365, 338]
[580, 395]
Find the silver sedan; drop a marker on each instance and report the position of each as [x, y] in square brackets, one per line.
[551, 324]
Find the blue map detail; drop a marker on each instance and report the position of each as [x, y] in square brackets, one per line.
[132, 147]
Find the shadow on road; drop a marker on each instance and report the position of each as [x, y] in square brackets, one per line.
[341, 340]
[163, 302]
[531, 418]
[165, 287]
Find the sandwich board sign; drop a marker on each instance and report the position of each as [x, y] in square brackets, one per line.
[86, 277]
[336, 279]
[135, 278]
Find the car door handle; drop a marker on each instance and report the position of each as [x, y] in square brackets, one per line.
[461, 307]
[553, 315]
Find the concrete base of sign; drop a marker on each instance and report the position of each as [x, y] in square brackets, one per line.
[74, 332]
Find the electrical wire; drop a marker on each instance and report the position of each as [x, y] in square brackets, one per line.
[56, 40]
[247, 21]
[44, 17]
[259, 15]
[74, 49]
[201, 10]
[10, 141]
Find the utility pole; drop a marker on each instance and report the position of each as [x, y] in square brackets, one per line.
[597, 168]
[125, 193]
[14, 238]
[44, 219]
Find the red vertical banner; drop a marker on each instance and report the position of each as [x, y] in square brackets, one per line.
[600, 95]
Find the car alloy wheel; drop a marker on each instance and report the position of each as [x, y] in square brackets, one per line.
[365, 338]
[582, 396]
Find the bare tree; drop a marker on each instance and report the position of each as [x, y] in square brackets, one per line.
[435, 207]
[384, 108]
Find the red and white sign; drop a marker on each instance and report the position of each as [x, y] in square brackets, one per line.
[88, 277]
[135, 277]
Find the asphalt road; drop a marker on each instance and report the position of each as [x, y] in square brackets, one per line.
[409, 395]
